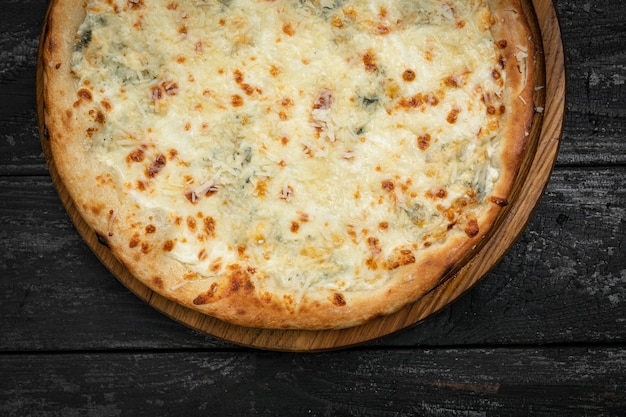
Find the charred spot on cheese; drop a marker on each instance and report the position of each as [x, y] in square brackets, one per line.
[290, 151]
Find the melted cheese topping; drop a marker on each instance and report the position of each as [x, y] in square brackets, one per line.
[322, 143]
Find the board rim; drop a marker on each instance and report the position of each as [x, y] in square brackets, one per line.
[534, 176]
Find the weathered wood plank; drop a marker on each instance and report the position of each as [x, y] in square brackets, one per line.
[595, 47]
[516, 382]
[564, 280]
[20, 151]
[595, 50]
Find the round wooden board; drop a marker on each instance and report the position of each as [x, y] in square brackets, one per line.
[544, 143]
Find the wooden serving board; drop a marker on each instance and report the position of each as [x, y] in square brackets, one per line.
[543, 147]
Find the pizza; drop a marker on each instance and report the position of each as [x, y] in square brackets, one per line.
[289, 164]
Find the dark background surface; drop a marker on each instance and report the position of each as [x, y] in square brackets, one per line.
[543, 334]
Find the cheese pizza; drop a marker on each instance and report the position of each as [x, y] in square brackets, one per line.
[289, 164]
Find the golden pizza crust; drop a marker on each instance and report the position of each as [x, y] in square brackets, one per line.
[239, 299]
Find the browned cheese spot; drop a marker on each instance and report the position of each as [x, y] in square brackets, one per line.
[192, 197]
[137, 155]
[453, 115]
[423, 141]
[401, 258]
[168, 246]
[451, 81]
[238, 281]
[98, 116]
[207, 297]
[134, 241]
[209, 226]
[408, 75]
[338, 299]
[471, 228]
[145, 248]
[211, 190]
[135, 4]
[288, 29]
[437, 192]
[84, 94]
[157, 165]
[324, 99]
[387, 185]
[236, 100]
[191, 223]
[369, 61]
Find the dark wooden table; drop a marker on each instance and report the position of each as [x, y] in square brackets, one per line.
[543, 334]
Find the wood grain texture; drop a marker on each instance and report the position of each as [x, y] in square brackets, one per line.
[596, 61]
[383, 383]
